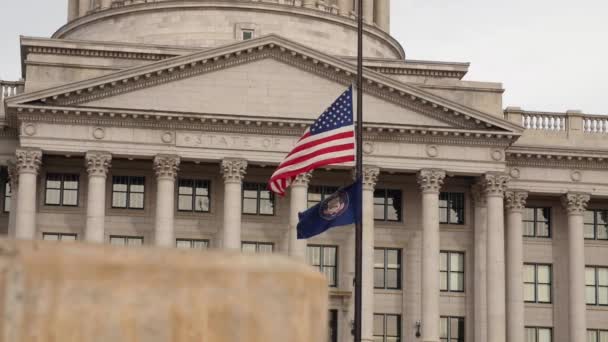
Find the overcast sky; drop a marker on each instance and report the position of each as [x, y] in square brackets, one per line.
[549, 54]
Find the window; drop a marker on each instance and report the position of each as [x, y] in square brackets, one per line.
[594, 335]
[534, 334]
[387, 268]
[247, 34]
[596, 224]
[192, 243]
[387, 205]
[325, 258]
[257, 247]
[316, 194]
[128, 192]
[537, 222]
[333, 326]
[7, 197]
[126, 240]
[451, 329]
[537, 283]
[451, 267]
[596, 281]
[59, 237]
[257, 199]
[61, 190]
[451, 208]
[387, 328]
[193, 195]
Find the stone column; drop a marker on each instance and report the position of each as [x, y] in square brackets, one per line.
[97, 164]
[299, 201]
[383, 15]
[430, 182]
[576, 204]
[345, 7]
[83, 7]
[72, 10]
[13, 180]
[368, 11]
[515, 203]
[494, 187]
[233, 171]
[166, 167]
[480, 275]
[370, 177]
[28, 165]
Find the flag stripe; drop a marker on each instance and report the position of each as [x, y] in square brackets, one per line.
[320, 152]
[318, 147]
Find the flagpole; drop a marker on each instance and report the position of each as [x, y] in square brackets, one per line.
[359, 176]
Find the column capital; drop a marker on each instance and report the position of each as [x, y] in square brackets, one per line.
[477, 194]
[98, 163]
[494, 183]
[575, 202]
[166, 166]
[28, 161]
[515, 200]
[233, 170]
[431, 180]
[370, 177]
[302, 180]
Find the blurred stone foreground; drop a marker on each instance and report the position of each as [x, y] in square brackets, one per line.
[79, 292]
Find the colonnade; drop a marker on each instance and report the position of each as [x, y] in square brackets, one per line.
[498, 295]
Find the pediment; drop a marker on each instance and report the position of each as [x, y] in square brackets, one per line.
[266, 77]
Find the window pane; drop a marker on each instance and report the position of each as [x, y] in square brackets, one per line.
[529, 293]
[589, 276]
[250, 193]
[379, 325]
[379, 212]
[53, 197]
[50, 237]
[184, 203]
[603, 336]
[70, 182]
[379, 277]
[443, 281]
[392, 279]
[202, 204]
[392, 325]
[266, 207]
[528, 214]
[589, 216]
[542, 229]
[250, 206]
[392, 257]
[456, 282]
[119, 200]
[529, 228]
[602, 296]
[544, 293]
[70, 197]
[529, 273]
[602, 276]
[118, 241]
[248, 247]
[329, 256]
[591, 336]
[590, 295]
[135, 241]
[602, 232]
[530, 335]
[544, 274]
[330, 274]
[379, 257]
[183, 244]
[544, 335]
[456, 262]
[454, 328]
[443, 215]
[394, 204]
[443, 261]
[314, 255]
[443, 327]
[136, 201]
[589, 231]
[265, 248]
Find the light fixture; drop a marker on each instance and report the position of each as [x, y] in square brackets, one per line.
[418, 328]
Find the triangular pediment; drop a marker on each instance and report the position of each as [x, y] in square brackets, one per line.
[266, 77]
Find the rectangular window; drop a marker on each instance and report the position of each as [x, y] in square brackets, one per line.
[118, 240]
[536, 334]
[387, 328]
[128, 192]
[596, 224]
[257, 247]
[193, 195]
[59, 237]
[325, 258]
[451, 267]
[596, 289]
[537, 222]
[387, 268]
[247, 34]
[316, 194]
[594, 335]
[537, 283]
[333, 326]
[61, 190]
[451, 329]
[192, 243]
[387, 205]
[451, 208]
[7, 197]
[257, 199]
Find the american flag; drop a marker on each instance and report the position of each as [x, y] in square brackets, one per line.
[329, 141]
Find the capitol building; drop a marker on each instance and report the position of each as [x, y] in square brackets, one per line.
[153, 122]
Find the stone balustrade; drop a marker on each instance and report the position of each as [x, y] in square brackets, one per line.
[595, 124]
[570, 121]
[545, 122]
[8, 89]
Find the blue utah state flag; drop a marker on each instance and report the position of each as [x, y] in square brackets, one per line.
[338, 209]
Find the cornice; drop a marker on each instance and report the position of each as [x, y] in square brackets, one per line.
[96, 53]
[282, 50]
[557, 158]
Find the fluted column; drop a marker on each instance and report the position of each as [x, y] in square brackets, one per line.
[370, 177]
[383, 14]
[83, 7]
[494, 187]
[13, 181]
[576, 204]
[299, 201]
[345, 7]
[97, 164]
[72, 10]
[430, 182]
[234, 172]
[166, 168]
[368, 11]
[515, 203]
[28, 165]
[481, 237]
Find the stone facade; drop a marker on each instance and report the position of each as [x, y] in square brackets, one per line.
[115, 138]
